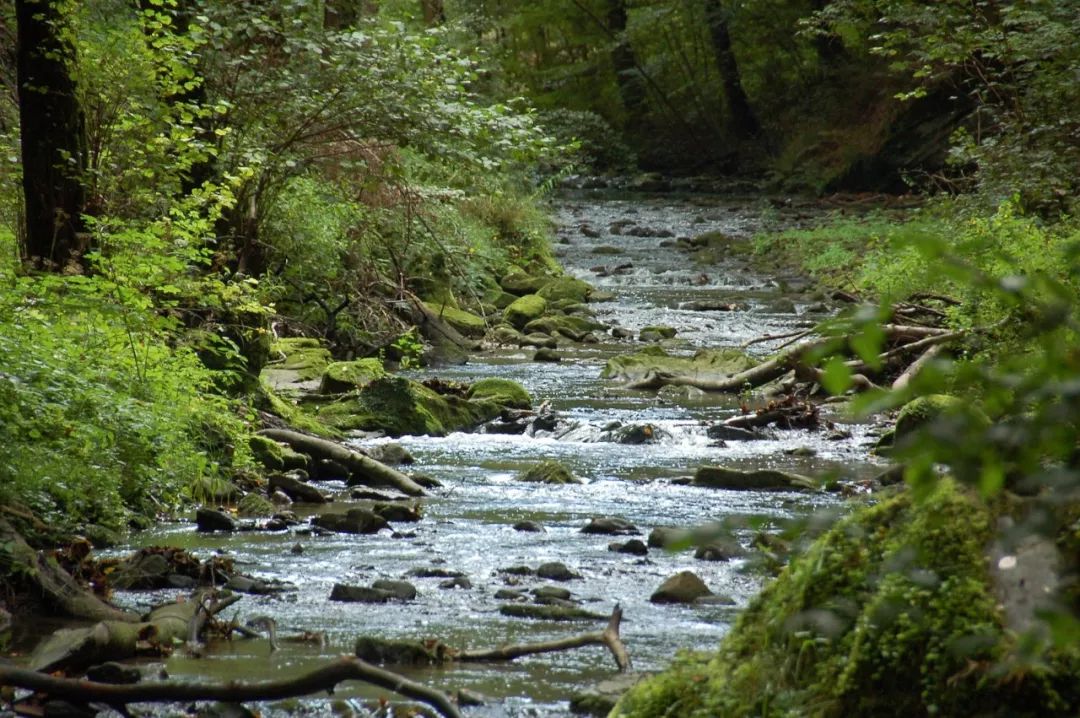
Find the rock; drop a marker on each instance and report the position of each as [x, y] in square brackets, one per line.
[503, 334]
[634, 434]
[255, 505]
[547, 355]
[504, 392]
[566, 288]
[520, 283]
[359, 594]
[803, 451]
[353, 521]
[588, 231]
[223, 709]
[733, 433]
[923, 410]
[816, 308]
[524, 310]
[715, 600]
[556, 571]
[683, 587]
[548, 471]
[365, 494]
[401, 590]
[656, 334]
[510, 594]
[719, 551]
[611, 526]
[296, 490]
[302, 357]
[400, 406]
[425, 572]
[557, 592]
[267, 452]
[383, 651]
[459, 582]
[342, 376]
[719, 477]
[518, 571]
[599, 701]
[528, 526]
[622, 333]
[253, 586]
[713, 305]
[634, 367]
[664, 536]
[392, 454]
[549, 613]
[395, 511]
[537, 339]
[606, 249]
[209, 520]
[114, 673]
[634, 547]
[469, 324]
[782, 306]
[297, 549]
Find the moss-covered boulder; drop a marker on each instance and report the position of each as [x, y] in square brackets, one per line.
[919, 412]
[519, 283]
[524, 310]
[722, 477]
[342, 376]
[504, 392]
[634, 367]
[575, 328]
[504, 334]
[548, 471]
[469, 324]
[399, 406]
[656, 334]
[889, 613]
[267, 452]
[566, 288]
[304, 356]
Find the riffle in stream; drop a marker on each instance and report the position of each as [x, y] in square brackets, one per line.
[467, 525]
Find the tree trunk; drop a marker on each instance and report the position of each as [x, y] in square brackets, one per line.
[627, 75]
[53, 137]
[743, 120]
[434, 12]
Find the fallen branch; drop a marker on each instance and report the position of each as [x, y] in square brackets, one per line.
[324, 678]
[608, 637]
[372, 472]
[905, 378]
[770, 337]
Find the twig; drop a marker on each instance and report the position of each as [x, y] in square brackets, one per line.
[769, 337]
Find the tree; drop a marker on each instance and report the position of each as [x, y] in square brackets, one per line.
[744, 122]
[53, 135]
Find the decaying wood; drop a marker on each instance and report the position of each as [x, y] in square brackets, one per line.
[771, 337]
[372, 472]
[609, 637]
[321, 679]
[55, 585]
[916, 366]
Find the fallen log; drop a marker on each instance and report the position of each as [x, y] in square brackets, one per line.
[321, 679]
[609, 637]
[372, 472]
[60, 591]
[916, 366]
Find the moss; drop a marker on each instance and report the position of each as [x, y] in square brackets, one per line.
[303, 355]
[502, 391]
[400, 406]
[631, 367]
[269, 401]
[267, 452]
[656, 333]
[345, 375]
[469, 324]
[889, 613]
[255, 505]
[566, 288]
[548, 471]
[524, 310]
[519, 283]
[921, 411]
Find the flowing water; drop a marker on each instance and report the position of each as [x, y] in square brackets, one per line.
[467, 524]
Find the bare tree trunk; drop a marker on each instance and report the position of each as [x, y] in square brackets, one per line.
[53, 131]
[743, 120]
[434, 12]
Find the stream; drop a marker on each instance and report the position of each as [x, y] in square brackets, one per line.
[467, 525]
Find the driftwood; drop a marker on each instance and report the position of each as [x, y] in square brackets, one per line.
[916, 366]
[60, 591]
[608, 637]
[324, 678]
[75, 648]
[372, 472]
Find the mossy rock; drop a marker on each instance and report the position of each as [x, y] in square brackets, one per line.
[399, 406]
[267, 452]
[303, 355]
[566, 288]
[503, 392]
[656, 334]
[524, 310]
[268, 400]
[519, 283]
[923, 410]
[633, 367]
[889, 613]
[254, 506]
[575, 328]
[548, 471]
[385, 651]
[499, 298]
[504, 334]
[342, 376]
[469, 324]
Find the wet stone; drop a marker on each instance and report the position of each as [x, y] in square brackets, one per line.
[556, 571]
[634, 547]
[610, 526]
[528, 527]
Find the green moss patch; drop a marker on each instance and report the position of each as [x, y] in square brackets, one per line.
[303, 355]
[566, 288]
[889, 613]
[548, 471]
[347, 375]
[469, 324]
[524, 310]
[502, 391]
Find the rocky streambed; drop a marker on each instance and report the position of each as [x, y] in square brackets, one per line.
[485, 542]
